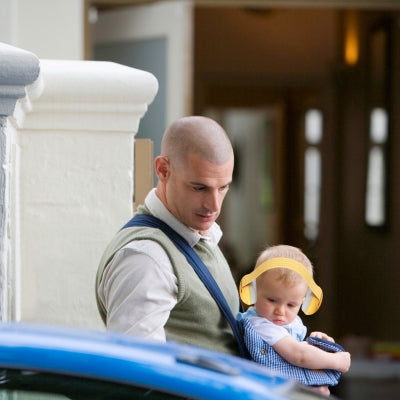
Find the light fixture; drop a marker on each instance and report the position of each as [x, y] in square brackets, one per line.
[351, 39]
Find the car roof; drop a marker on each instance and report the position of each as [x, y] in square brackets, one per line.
[198, 373]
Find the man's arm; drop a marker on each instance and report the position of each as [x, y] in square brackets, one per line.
[139, 289]
[304, 355]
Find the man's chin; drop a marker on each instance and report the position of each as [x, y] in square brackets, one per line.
[202, 228]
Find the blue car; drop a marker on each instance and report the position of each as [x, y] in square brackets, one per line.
[53, 362]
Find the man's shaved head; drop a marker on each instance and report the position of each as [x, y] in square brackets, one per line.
[194, 171]
[196, 135]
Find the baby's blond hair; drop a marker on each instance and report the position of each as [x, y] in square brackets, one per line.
[285, 275]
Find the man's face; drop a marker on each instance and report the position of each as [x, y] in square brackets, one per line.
[194, 194]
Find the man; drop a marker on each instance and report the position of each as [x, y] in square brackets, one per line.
[144, 284]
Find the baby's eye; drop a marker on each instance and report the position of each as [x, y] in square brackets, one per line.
[271, 300]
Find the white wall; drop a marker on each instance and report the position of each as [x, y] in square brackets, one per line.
[49, 28]
[7, 18]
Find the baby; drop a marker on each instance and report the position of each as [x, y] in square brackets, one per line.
[280, 284]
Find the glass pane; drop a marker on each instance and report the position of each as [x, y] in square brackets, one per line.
[25, 395]
[30, 385]
[312, 181]
[313, 126]
[379, 126]
[375, 196]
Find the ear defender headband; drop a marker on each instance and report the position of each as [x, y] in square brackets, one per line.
[247, 286]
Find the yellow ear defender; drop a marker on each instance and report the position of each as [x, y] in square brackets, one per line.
[247, 286]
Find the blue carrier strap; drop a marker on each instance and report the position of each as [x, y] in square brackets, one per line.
[199, 267]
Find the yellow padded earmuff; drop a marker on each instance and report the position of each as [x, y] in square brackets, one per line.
[247, 286]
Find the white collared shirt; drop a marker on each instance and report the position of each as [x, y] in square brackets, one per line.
[139, 287]
[273, 333]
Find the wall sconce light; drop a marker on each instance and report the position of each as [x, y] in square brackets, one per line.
[351, 39]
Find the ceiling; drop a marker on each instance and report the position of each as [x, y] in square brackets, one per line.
[345, 4]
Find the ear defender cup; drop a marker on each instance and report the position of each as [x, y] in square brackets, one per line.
[247, 286]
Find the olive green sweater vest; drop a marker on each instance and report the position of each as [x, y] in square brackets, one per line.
[196, 319]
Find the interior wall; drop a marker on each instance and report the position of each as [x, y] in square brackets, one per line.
[254, 45]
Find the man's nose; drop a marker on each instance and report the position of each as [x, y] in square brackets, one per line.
[213, 202]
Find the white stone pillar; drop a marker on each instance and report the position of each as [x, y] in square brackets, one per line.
[73, 182]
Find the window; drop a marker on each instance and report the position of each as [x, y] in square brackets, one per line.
[312, 172]
[379, 87]
[31, 385]
[376, 173]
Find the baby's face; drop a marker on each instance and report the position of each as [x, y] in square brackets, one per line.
[277, 302]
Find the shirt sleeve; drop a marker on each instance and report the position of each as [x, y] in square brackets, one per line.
[270, 332]
[139, 290]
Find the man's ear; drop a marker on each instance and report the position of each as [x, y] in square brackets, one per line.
[162, 167]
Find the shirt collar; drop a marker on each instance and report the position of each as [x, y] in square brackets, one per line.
[158, 209]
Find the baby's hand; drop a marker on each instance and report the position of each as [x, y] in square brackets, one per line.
[344, 361]
[322, 335]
